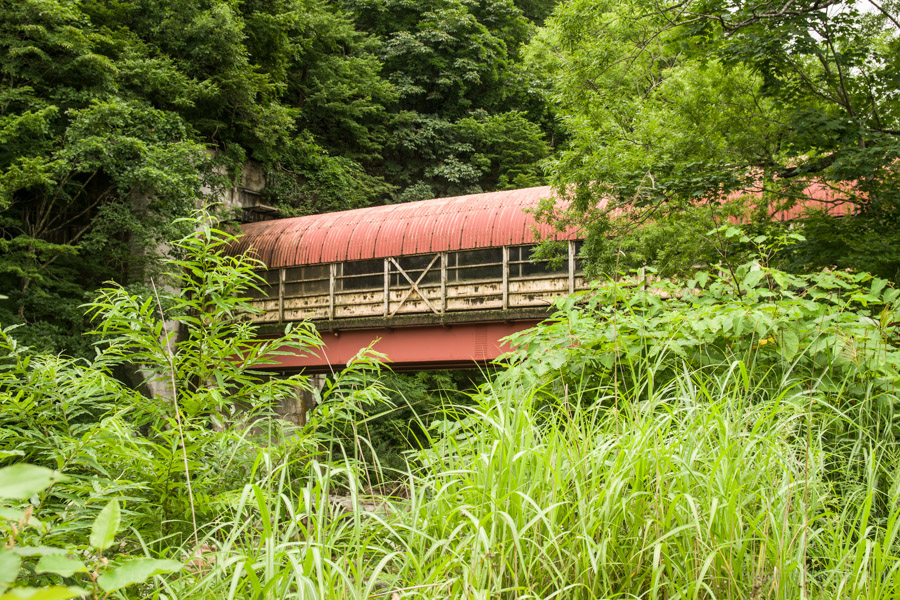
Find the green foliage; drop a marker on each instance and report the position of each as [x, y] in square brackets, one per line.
[676, 104]
[54, 567]
[466, 118]
[669, 244]
[399, 424]
[164, 456]
[91, 174]
[135, 571]
[106, 525]
[865, 243]
[22, 481]
[837, 329]
[148, 477]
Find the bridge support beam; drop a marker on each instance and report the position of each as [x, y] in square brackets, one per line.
[409, 348]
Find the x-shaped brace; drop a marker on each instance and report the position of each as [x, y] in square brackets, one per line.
[414, 285]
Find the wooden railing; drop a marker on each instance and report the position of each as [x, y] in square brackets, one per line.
[490, 279]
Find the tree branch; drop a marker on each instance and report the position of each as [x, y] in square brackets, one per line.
[814, 166]
[885, 13]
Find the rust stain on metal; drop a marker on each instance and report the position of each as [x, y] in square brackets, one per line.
[440, 225]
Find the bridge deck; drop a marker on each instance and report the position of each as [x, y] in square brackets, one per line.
[431, 279]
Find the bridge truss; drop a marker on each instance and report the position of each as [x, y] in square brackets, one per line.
[435, 285]
[439, 309]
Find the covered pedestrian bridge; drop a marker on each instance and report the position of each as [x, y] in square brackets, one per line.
[435, 283]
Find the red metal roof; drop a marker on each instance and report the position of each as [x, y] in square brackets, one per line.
[440, 225]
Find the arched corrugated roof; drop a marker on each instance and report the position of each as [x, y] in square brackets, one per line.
[440, 225]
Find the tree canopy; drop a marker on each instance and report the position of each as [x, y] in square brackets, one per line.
[671, 103]
[116, 118]
[467, 117]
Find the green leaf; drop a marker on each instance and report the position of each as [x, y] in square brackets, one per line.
[22, 481]
[9, 453]
[56, 592]
[877, 286]
[136, 571]
[753, 277]
[9, 568]
[60, 564]
[790, 344]
[11, 514]
[106, 526]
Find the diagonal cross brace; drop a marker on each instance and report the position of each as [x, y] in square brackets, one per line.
[414, 285]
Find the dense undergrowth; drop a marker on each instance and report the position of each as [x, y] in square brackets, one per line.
[733, 436]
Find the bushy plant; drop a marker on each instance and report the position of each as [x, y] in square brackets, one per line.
[385, 434]
[203, 355]
[837, 328]
[175, 456]
[53, 569]
[717, 484]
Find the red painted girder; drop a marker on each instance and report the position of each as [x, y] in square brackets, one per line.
[435, 346]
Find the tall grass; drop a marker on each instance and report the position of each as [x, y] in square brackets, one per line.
[730, 438]
[722, 483]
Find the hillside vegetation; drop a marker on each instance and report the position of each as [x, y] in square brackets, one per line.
[729, 437]
[118, 118]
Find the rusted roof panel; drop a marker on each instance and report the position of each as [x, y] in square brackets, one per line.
[390, 238]
[363, 238]
[448, 231]
[439, 225]
[481, 236]
[509, 227]
[422, 241]
[313, 249]
[469, 227]
[443, 224]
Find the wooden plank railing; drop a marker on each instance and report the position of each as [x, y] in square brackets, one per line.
[436, 283]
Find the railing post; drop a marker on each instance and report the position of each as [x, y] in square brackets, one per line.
[332, 271]
[571, 266]
[387, 287]
[281, 295]
[443, 283]
[505, 277]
